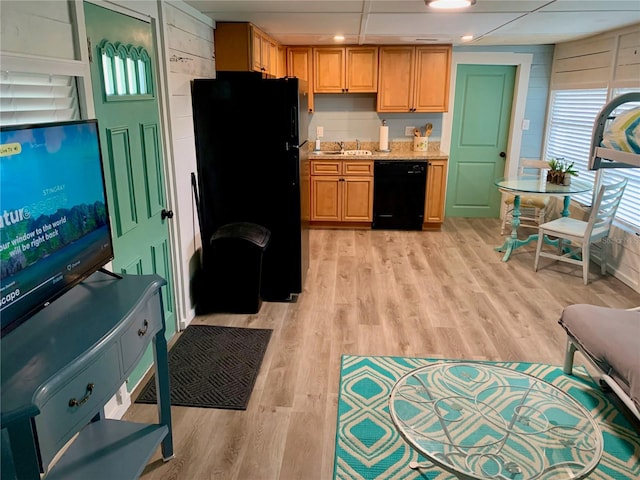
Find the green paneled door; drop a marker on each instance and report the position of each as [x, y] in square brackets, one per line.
[481, 119]
[126, 103]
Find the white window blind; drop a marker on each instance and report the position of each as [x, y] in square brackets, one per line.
[572, 114]
[570, 126]
[37, 98]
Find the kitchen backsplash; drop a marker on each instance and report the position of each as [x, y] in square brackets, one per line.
[351, 116]
[400, 146]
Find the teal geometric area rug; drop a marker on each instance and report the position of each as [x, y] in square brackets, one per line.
[369, 447]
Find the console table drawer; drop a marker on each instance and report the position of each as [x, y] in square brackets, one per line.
[77, 402]
[134, 341]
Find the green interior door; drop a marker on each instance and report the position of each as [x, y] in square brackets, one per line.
[480, 132]
[126, 103]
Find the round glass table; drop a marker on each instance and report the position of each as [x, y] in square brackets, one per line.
[483, 421]
[533, 185]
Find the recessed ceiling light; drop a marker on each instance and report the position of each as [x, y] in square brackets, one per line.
[339, 38]
[444, 4]
[466, 38]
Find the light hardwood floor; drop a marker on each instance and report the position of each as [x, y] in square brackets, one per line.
[428, 294]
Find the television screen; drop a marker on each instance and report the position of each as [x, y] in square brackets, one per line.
[54, 223]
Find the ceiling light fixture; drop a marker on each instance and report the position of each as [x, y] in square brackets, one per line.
[339, 38]
[466, 38]
[449, 4]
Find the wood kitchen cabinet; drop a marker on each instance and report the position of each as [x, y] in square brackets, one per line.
[241, 46]
[435, 194]
[299, 64]
[345, 69]
[341, 191]
[414, 79]
[281, 61]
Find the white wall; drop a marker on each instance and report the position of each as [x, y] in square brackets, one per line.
[609, 60]
[43, 28]
[188, 37]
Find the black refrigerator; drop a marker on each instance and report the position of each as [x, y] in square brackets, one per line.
[252, 154]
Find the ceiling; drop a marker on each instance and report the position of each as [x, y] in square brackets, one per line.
[491, 22]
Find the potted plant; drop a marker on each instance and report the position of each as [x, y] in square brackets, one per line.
[560, 172]
[568, 172]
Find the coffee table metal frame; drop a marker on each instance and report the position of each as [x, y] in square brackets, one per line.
[482, 421]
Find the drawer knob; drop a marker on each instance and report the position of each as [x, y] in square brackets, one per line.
[76, 403]
[143, 330]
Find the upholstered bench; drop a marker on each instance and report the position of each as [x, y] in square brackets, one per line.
[610, 339]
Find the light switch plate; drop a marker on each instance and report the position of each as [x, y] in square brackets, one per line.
[408, 131]
[319, 132]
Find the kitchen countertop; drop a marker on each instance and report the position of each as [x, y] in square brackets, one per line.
[393, 155]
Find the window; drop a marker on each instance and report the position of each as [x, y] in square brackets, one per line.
[125, 71]
[571, 119]
[36, 98]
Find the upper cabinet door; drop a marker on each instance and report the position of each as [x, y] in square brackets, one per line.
[361, 69]
[345, 69]
[329, 70]
[432, 79]
[395, 88]
[257, 50]
[299, 64]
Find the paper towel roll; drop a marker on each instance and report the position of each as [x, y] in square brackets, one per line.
[384, 138]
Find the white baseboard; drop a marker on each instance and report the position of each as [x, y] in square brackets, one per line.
[117, 406]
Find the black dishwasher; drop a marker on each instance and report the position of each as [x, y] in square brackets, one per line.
[399, 194]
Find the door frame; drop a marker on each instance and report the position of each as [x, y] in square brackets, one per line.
[522, 62]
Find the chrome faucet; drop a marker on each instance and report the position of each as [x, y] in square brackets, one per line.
[341, 145]
[357, 144]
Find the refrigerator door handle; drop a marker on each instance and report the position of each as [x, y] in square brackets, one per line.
[288, 147]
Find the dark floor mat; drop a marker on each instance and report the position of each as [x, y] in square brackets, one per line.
[213, 367]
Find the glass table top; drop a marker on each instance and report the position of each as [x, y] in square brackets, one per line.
[482, 421]
[538, 184]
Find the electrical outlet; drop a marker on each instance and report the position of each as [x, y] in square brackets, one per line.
[408, 131]
[525, 124]
[319, 132]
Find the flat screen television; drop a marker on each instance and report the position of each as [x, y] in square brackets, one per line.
[54, 223]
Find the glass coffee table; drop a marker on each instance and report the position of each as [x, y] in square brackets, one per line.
[483, 421]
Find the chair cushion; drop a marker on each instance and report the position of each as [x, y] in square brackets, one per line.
[610, 336]
[532, 201]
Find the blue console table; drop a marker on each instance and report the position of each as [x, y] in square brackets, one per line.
[60, 368]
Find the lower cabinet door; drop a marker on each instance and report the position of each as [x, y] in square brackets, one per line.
[357, 199]
[326, 201]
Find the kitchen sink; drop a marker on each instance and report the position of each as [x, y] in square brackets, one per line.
[350, 153]
[357, 152]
